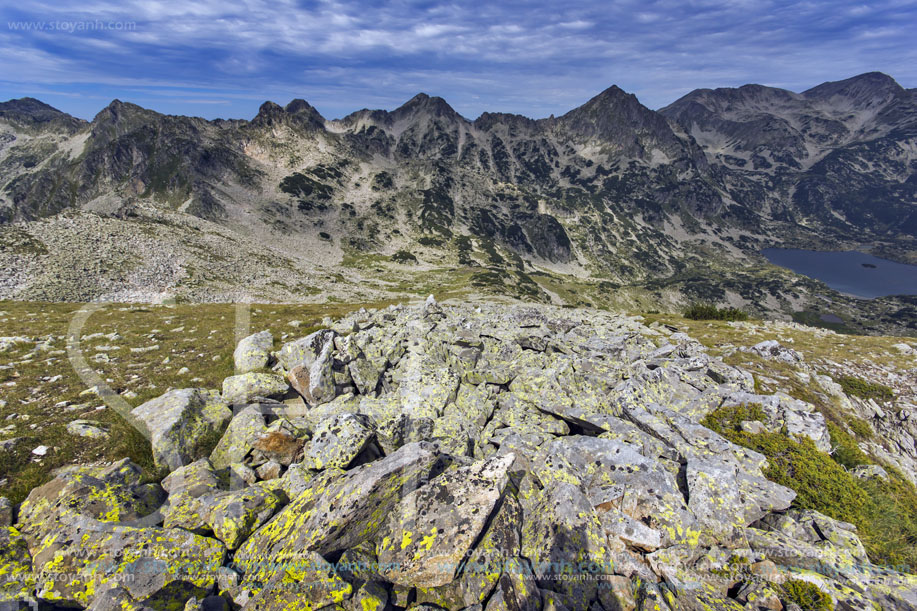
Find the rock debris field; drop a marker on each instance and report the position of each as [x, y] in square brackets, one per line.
[446, 457]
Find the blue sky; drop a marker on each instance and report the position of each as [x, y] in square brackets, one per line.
[219, 58]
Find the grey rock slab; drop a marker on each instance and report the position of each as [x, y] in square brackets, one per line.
[429, 532]
[239, 438]
[338, 510]
[181, 422]
[314, 380]
[245, 388]
[304, 351]
[87, 428]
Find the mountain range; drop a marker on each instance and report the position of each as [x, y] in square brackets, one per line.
[611, 203]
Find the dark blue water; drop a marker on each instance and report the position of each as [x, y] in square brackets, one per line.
[851, 272]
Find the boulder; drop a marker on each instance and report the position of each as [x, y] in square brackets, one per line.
[234, 516]
[565, 541]
[113, 493]
[144, 561]
[772, 349]
[182, 424]
[622, 483]
[308, 582]
[240, 436]
[869, 471]
[304, 351]
[17, 580]
[784, 413]
[314, 379]
[87, 428]
[253, 352]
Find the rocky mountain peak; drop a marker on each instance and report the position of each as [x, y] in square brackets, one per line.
[618, 119]
[297, 113]
[864, 90]
[35, 113]
[118, 111]
[423, 104]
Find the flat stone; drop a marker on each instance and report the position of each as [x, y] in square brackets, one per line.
[246, 387]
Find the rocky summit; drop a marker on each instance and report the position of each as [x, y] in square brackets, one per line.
[477, 457]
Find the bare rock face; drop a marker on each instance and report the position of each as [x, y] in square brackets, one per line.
[490, 458]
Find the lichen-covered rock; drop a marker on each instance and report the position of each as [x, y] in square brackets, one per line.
[234, 516]
[253, 352]
[784, 413]
[87, 428]
[869, 471]
[314, 379]
[429, 532]
[772, 349]
[269, 471]
[337, 511]
[465, 458]
[306, 583]
[621, 482]
[158, 567]
[305, 350]
[17, 580]
[338, 440]
[370, 596]
[208, 603]
[245, 388]
[564, 540]
[116, 599]
[238, 440]
[196, 479]
[108, 494]
[181, 424]
[496, 554]
[190, 489]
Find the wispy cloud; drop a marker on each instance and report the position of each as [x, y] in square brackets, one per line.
[532, 57]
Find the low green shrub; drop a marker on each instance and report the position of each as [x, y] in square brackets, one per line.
[711, 312]
[729, 419]
[846, 451]
[884, 511]
[860, 427]
[866, 390]
[807, 595]
[404, 256]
